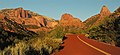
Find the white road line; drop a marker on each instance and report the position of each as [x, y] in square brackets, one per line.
[94, 47]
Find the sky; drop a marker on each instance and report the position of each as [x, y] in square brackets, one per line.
[81, 9]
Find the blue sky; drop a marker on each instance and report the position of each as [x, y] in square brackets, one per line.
[82, 9]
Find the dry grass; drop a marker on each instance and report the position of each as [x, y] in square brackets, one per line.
[41, 45]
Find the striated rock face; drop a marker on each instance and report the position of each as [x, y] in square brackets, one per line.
[51, 24]
[27, 17]
[21, 13]
[33, 19]
[45, 22]
[16, 13]
[41, 20]
[69, 20]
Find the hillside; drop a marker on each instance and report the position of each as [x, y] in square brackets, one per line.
[25, 32]
[108, 31]
[99, 18]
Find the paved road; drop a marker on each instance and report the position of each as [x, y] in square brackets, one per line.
[80, 45]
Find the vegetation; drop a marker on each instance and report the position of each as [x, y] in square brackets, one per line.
[91, 22]
[107, 31]
[25, 42]
[15, 39]
[34, 46]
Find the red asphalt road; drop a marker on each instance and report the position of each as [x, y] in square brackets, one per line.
[73, 46]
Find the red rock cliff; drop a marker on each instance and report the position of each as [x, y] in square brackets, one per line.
[21, 13]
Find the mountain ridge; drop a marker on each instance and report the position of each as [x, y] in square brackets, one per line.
[27, 17]
[20, 16]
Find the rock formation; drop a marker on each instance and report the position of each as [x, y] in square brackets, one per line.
[2, 16]
[16, 13]
[69, 20]
[105, 11]
[21, 13]
[52, 24]
[27, 17]
[66, 17]
[41, 20]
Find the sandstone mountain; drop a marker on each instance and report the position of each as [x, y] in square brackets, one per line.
[95, 20]
[27, 18]
[69, 20]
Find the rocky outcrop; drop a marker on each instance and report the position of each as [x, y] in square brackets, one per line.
[2, 16]
[21, 13]
[105, 11]
[69, 20]
[66, 17]
[16, 13]
[52, 24]
[41, 20]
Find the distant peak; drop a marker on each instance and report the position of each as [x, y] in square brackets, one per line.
[67, 16]
[105, 11]
[104, 8]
